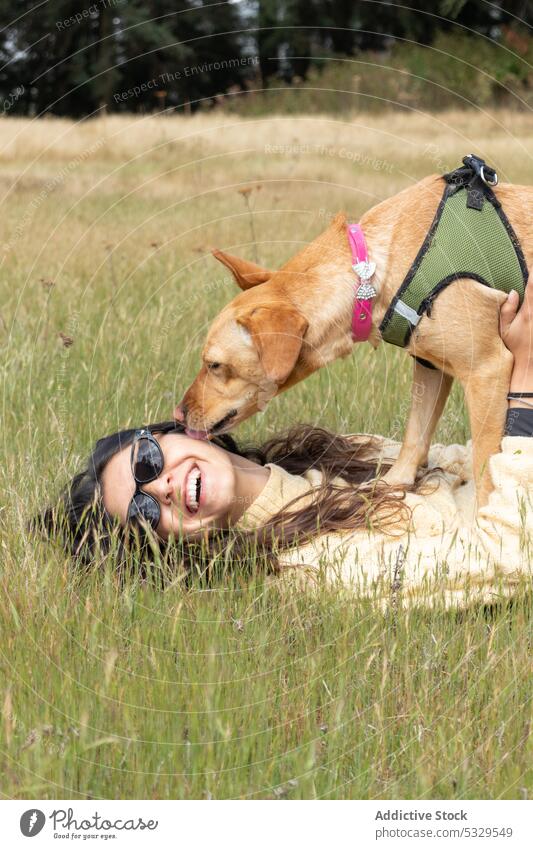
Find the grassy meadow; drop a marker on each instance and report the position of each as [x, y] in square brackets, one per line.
[239, 690]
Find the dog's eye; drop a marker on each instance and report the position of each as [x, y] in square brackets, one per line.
[213, 366]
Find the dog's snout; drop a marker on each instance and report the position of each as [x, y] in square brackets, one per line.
[180, 413]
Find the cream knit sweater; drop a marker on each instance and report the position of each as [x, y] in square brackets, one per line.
[447, 555]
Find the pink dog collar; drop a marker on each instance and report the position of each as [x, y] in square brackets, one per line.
[365, 292]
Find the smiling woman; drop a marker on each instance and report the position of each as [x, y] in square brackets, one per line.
[310, 502]
[178, 485]
[158, 483]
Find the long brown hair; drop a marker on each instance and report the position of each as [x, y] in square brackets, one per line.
[350, 496]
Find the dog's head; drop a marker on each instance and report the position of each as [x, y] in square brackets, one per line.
[251, 353]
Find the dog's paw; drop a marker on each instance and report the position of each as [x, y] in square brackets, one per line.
[400, 476]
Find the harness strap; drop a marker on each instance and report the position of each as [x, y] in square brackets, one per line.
[471, 237]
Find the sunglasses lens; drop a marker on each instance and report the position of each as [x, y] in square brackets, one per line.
[147, 461]
[144, 508]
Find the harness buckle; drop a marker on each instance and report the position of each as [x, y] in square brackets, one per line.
[479, 165]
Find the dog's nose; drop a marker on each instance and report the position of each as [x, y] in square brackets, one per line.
[180, 413]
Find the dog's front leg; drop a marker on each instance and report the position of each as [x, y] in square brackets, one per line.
[430, 390]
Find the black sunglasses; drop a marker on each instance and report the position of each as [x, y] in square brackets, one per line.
[147, 463]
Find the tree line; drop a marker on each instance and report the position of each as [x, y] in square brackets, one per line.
[83, 57]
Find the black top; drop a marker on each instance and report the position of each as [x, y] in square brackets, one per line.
[519, 422]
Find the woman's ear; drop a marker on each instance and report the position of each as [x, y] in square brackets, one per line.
[277, 335]
[246, 274]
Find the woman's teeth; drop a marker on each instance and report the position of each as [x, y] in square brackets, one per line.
[194, 486]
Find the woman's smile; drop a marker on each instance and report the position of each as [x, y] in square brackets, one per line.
[198, 498]
[193, 490]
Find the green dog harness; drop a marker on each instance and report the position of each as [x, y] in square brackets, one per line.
[470, 237]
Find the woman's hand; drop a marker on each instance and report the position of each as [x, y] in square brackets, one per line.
[516, 330]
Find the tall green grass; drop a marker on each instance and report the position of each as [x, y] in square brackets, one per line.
[245, 688]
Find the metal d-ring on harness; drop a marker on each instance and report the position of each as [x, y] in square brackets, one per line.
[470, 237]
[487, 175]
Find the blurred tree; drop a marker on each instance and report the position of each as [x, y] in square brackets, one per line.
[186, 54]
[269, 37]
[50, 54]
[77, 57]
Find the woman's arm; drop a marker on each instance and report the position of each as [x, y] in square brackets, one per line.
[516, 329]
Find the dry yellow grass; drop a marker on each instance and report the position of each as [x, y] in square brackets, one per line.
[502, 134]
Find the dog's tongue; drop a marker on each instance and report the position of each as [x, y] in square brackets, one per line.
[196, 434]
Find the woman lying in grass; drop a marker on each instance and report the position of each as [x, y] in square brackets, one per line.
[311, 503]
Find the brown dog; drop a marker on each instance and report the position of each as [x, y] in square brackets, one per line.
[286, 324]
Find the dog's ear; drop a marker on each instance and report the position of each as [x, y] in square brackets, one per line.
[246, 274]
[277, 334]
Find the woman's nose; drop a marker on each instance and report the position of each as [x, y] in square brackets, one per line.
[161, 488]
